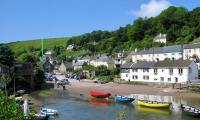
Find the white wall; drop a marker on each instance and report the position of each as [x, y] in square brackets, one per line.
[153, 57]
[125, 76]
[164, 73]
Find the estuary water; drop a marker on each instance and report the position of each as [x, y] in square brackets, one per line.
[81, 108]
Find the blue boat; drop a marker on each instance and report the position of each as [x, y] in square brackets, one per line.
[124, 99]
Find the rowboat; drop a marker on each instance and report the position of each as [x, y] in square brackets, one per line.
[189, 110]
[40, 116]
[99, 94]
[48, 111]
[124, 99]
[153, 104]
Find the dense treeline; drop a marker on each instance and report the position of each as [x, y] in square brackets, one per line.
[180, 25]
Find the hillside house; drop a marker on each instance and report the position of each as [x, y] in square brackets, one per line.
[161, 38]
[177, 71]
[102, 60]
[65, 67]
[70, 47]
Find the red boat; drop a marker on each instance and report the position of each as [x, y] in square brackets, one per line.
[99, 94]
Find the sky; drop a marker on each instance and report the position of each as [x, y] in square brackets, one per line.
[37, 19]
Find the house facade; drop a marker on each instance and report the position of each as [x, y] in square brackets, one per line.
[159, 54]
[161, 38]
[102, 61]
[177, 71]
[192, 52]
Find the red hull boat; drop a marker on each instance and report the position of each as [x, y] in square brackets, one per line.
[99, 94]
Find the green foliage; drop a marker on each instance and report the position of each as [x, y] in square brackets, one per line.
[6, 55]
[28, 57]
[36, 44]
[10, 110]
[39, 80]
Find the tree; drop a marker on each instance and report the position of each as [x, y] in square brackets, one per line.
[5, 78]
[28, 57]
[6, 55]
[10, 109]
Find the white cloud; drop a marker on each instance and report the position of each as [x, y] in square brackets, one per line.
[151, 9]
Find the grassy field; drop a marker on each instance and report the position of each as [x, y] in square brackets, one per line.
[48, 44]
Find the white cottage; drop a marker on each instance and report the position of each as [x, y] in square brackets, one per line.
[177, 71]
[161, 38]
[159, 54]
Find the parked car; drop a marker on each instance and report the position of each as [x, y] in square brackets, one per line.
[97, 80]
[63, 82]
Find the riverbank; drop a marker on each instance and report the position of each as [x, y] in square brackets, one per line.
[84, 86]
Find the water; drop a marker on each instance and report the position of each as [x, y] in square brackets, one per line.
[73, 108]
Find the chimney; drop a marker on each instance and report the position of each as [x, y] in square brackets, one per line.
[135, 49]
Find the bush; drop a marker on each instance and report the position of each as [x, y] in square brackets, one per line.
[10, 109]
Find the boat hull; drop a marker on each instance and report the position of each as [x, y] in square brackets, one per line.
[153, 105]
[99, 94]
[124, 99]
[188, 110]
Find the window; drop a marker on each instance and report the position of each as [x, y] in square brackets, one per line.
[190, 70]
[133, 77]
[165, 54]
[145, 70]
[155, 71]
[173, 54]
[169, 79]
[171, 71]
[146, 77]
[155, 79]
[126, 75]
[176, 79]
[162, 70]
[136, 77]
[134, 69]
[180, 71]
[162, 79]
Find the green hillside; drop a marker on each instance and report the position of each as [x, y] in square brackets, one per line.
[36, 44]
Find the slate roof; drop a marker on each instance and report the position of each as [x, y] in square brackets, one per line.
[161, 64]
[166, 49]
[175, 63]
[78, 64]
[127, 65]
[190, 46]
[143, 64]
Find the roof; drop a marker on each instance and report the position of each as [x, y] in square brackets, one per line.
[78, 64]
[143, 64]
[175, 63]
[190, 46]
[161, 64]
[68, 65]
[166, 49]
[160, 36]
[127, 65]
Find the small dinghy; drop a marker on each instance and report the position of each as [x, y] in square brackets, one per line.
[189, 110]
[124, 99]
[40, 116]
[153, 104]
[99, 94]
[48, 111]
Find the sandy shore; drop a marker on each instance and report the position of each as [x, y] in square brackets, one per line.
[85, 86]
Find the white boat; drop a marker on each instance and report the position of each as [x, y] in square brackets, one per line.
[48, 111]
[40, 116]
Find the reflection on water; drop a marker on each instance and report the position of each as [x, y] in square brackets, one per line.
[74, 108]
